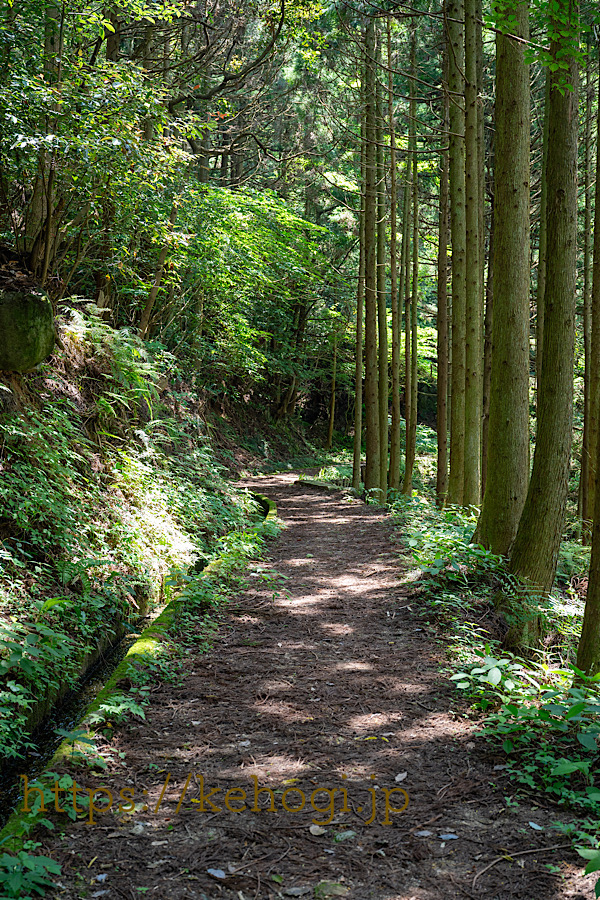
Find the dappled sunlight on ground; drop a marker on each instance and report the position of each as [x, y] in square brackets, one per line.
[322, 698]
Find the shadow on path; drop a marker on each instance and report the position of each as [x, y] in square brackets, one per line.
[323, 688]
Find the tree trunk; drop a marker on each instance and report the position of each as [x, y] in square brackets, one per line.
[360, 303]
[542, 242]
[508, 447]
[329, 441]
[588, 652]
[158, 275]
[372, 469]
[487, 359]
[384, 386]
[588, 324]
[411, 434]
[535, 552]
[405, 300]
[594, 385]
[442, 311]
[481, 159]
[395, 443]
[473, 373]
[455, 16]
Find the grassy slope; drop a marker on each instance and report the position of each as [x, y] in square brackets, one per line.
[109, 484]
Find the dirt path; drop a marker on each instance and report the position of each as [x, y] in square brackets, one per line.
[323, 681]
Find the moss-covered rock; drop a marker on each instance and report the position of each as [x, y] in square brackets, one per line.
[26, 330]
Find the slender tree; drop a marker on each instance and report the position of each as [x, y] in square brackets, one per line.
[158, 276]
[384, 385]
[331, 421]
[594, 373]
[372, 469]
[395, 441]
[487, 357]
[405, 294]
[442, 307]
[411, 431]
[473, 295]
[454, 30]
[587, 305]
[588, 652]
[542, 240]
[360, 313]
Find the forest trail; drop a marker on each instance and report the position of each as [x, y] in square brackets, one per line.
[323, 674]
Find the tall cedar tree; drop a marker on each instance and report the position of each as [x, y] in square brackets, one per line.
[395, 432]
[454, 18]
[473, 293]
[594, 374]
[584, 510]
[442, 309]
[372, 469]
[384, 387]
[535, 551]
[508, 443]
[360, 313]
[588, 654]
[411, 421]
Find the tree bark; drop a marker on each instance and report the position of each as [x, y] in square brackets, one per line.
[542, 241]
[508, 447]
[405, 302]
[372, 468]
[384, 386]
[487, 359]
[455, 16]
[535, 551]
[411, 433]
[473, 294]
[395, 443]
[594, 385]
[360, 303]
[442, 311]
[394, 470]
[588, 652]
[329, 440]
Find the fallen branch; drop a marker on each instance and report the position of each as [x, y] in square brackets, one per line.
[511, 856]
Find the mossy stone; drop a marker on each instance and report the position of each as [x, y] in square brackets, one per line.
[26, 330]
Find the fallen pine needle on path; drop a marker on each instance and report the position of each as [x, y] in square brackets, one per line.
[329, 738]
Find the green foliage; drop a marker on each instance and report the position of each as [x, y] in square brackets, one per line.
[551, 740]
[23, 874]
[441, 542]
[496, 676]
[104, 490]
[32, 659]
[545, 717]
[117, 708]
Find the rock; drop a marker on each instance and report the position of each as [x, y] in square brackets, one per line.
[27, 332]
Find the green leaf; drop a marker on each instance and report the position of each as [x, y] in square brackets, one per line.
[593, 865]
[494, 676]
[565, 768]
[576, 709]
[588, 739]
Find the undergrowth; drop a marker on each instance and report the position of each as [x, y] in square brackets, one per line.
[200, 600]
[542, 711]
[108, 483]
